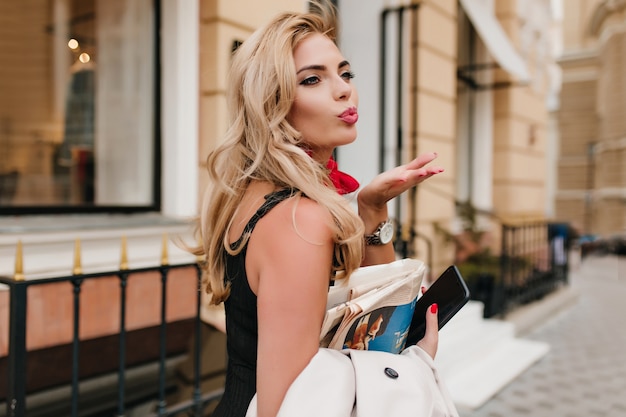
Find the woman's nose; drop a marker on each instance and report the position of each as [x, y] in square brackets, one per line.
[343, 89]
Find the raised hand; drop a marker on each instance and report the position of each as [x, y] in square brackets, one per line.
[392, 183]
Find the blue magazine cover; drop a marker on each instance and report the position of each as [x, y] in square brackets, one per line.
[384, 329]
[373, 310]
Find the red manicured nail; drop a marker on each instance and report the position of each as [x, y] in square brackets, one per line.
[433, 308]
[423, 289]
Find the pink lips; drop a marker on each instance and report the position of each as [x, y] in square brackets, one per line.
[350, 116]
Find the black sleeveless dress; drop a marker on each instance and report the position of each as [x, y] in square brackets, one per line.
[241, 323]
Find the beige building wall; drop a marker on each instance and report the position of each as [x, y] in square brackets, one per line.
[520, 127]
[577, 116]
[436, 124]
[520, 119]
[609, 199]
[576, 20]
[592, 167]
[578, 125]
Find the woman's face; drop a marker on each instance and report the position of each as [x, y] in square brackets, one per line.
[325, 107]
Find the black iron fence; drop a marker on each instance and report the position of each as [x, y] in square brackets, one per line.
[19, 368]
[532, 263]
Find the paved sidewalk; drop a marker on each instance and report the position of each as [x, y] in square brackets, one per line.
[584, 374]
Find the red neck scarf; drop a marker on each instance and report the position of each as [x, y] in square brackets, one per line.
[344, 183]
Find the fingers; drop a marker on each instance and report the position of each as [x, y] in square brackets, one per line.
[430, 341]
[394, 182]
[422, 160]
[414, 177]
[418, 171]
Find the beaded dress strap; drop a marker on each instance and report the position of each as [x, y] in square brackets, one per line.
[271, 200]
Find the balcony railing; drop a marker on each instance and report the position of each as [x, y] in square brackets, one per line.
[532, 263]
[19, 389]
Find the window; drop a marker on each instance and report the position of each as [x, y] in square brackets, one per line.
[79, 106]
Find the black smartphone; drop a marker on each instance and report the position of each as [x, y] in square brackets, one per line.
[450, 293]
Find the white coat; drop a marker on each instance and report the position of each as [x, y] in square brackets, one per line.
[354, 383]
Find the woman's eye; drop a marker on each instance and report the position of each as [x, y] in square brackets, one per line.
[310, 80]
[348, 75]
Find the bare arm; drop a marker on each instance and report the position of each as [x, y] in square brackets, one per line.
[292, 269]
[372, 200]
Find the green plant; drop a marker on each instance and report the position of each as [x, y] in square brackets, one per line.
[480, 263]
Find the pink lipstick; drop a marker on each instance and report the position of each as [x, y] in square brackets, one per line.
[349, 116]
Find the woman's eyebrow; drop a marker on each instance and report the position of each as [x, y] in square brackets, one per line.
[321, 67]
[312, 67]
[343, 64]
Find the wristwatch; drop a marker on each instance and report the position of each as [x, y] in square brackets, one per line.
[382, 235]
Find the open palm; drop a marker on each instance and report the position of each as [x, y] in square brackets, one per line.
[391, 183]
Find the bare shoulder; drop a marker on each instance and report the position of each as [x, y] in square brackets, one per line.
[294, 239]
[298, 218]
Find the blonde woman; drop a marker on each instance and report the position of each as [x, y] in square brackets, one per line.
[275, 226]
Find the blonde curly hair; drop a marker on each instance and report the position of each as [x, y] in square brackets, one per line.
[260, 144]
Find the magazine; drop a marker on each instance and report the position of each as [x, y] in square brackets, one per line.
[372, 310]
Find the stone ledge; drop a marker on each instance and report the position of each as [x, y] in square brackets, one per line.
[48, 243]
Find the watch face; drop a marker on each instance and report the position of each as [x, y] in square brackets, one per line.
[386, 233]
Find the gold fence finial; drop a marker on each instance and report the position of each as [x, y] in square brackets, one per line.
[77, 270]
[164, 257]
[19, 263]
[124, 257]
